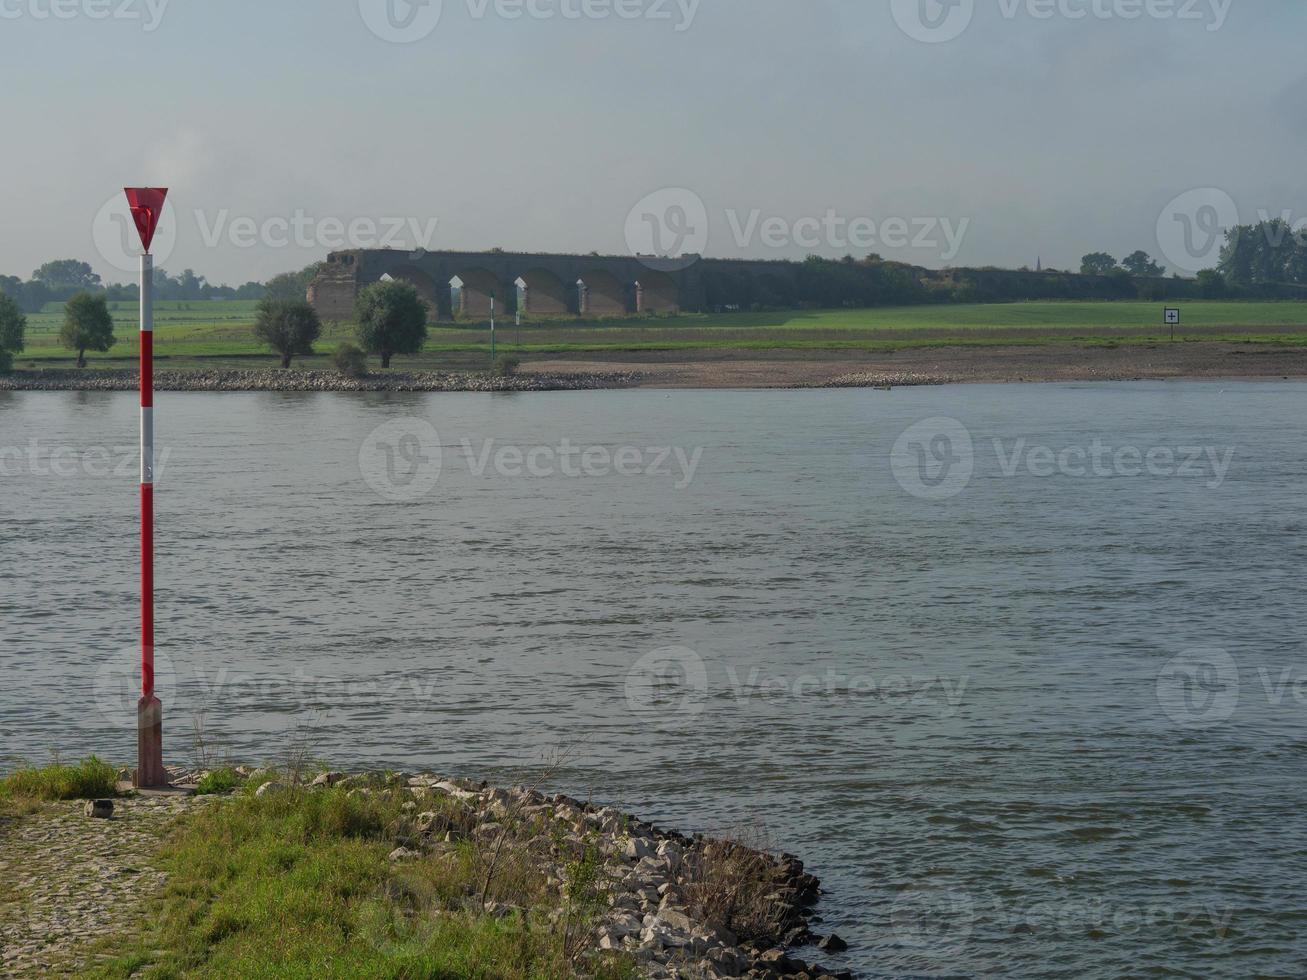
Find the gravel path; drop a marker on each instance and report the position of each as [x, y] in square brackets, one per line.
[67, 879]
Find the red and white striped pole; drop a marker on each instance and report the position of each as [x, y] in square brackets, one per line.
[147, 205]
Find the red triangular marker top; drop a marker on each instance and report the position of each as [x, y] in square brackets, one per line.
[147, 205]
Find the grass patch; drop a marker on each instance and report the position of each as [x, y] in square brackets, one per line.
[297, 883]
[219, 334]
[89, 779]
[218, 781]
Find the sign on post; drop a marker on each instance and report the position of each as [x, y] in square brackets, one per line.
[146, 204]
[1172, 320]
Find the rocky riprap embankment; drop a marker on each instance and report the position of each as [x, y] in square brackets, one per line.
[888, 379]
[67, 880]
[309, 381]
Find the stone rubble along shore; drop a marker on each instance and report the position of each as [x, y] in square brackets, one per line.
[266, 380]
[649, 872]
[889, 379]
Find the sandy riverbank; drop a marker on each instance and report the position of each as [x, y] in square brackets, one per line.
[943, 365]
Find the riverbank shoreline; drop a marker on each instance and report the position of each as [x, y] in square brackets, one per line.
[275, 380]
[668, 904]
[745, 369]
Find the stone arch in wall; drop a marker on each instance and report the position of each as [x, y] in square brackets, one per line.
[603, 294]
[545, 294]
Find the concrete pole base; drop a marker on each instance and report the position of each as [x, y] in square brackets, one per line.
[150, 773]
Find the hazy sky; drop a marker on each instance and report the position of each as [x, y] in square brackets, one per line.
[1044, 128]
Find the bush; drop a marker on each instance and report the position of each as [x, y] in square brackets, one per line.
[6, 362]
[350, 361]
[90, 779]
[506, 365]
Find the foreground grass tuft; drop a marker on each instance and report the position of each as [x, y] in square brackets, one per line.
[297, 883]
[89, 779]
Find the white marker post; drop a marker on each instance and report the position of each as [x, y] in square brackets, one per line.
[147, 205]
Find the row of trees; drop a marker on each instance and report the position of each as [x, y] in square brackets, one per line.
[1268, 252]
[60, 280]
[88, 325]
[390, 318]
[1138, 264]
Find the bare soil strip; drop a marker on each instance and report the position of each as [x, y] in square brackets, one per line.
[941, 365]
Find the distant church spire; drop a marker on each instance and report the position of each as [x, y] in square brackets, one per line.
[1039, 264]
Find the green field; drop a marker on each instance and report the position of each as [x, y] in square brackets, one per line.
[218, 334]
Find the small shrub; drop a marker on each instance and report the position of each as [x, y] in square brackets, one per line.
[350, 361]
[6, 362]
[506, 365]
[90, 779]
[218, 781]
[730, 885]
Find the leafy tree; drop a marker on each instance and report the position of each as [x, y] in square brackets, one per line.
[1097, 264]
[67, 276]
[88, 325]
[1268, 252]
[392, 319]
[1141, 265]
[289, 327]
[12, 325]
[292, 286]
[1211, 284]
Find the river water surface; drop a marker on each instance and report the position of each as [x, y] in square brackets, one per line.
[1017, 670]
